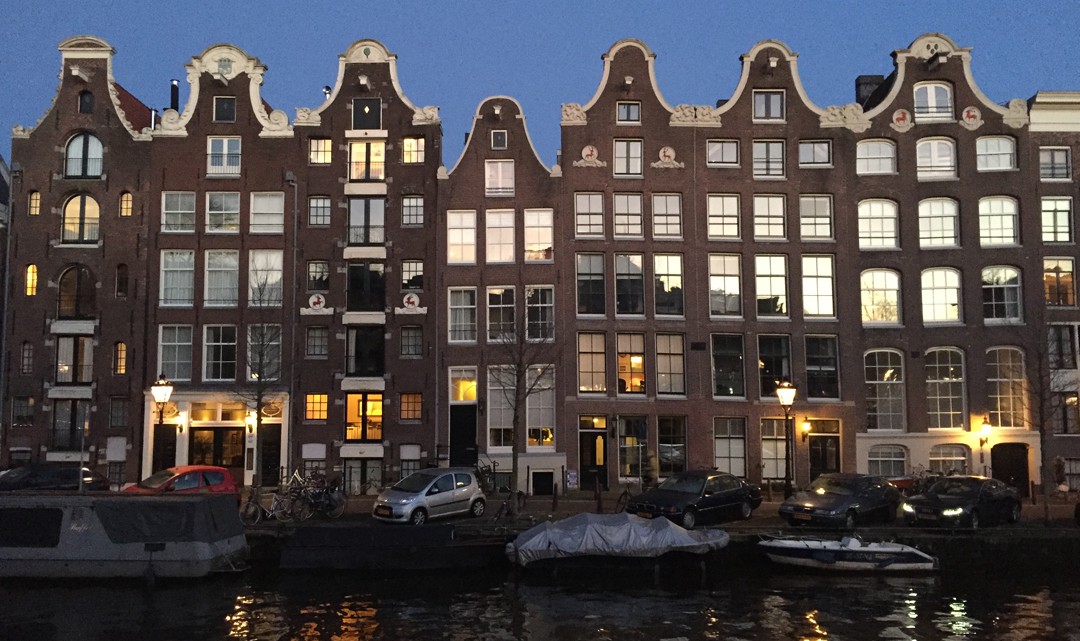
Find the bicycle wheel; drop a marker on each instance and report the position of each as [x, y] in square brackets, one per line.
[251, 513]
[301, 508]
[620, 503]
[337, 504]
[280, 509]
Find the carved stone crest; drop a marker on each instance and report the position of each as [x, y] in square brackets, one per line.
[1017, 114]
[426, 116]
[667, 160]
[225, 67]
[695, 115]
[573, 114]
[931, 46]
[850, 116]
[902, 121]
[305, 116]
[590, 157]
[971, 118]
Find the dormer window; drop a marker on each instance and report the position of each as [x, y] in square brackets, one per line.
[628, 113]
[498, 139]
[769, 105]
[83, 157]
[367, 113]
[224, 109]
[933, 102]
[86, 102]
[223, 156]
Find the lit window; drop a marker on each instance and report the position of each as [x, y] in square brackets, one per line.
[315, 407]
[935, 159]
[33, 203]
[818, 287]
[945, 388]
[592, 359]
[320, 151]
[1059, 289]
[1055, 163]
[933, 102]
[941, 295]
[1008, 402]
[998, 222]
[589, 214]
[1002, 295]
[412, 150]
[668, 280]
[412, 407]
[412, 210]
[1057, 219]
[885, 395]
[127, 204]
[628, 157]
[880, 296]
[318, 210]
[722, 153]
[629, 284]
[223, 212]
[995, 153]
[224, 109]
[815, 217]
[770, 278]
[631, 363]
[31, 280]
[815, 153]
[499, 235]
[499, 178]
[725, 298]
[939, 223]
[723, 216]
[267, 212]
[367, 160]
[628, 113]
[364, 417]
[120, 358]
[878, 224]
[81, 220]
[84, 157]
[667, 215]
[628, 215]
[74, 359]
[223, 156]
[768, 159]
[462, 384]
[875, 157]
[770, 217]
[768, 105]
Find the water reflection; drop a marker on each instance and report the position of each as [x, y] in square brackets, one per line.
[746, 605]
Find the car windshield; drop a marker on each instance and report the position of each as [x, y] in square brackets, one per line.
[415, 482]
[955, 487]
[832, 485]
[157, 479]
[17, 474]
[688, 484]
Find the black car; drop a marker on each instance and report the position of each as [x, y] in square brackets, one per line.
[964, 501]
[52, 476]
[842, 500]
[689, 498]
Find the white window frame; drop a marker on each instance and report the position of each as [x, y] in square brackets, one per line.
[1002, 288]
[771, 280]
[995, 153]
[539, 235]
[223, 155]
[499, 229]
[770, 217]
[589, 215]
[180, 219]
[935, 159]
[265, 277]
[766, 164]
[939, 223]
[880, 297]
[670, 364]
[725, 272]
[461, 237]
[208, 346]
[177, 274]
[499, 178]
[222, 278]
[628, 216]
[267, 212]
[461, 304]
[724, 217]
[952, 403]
[947, 282]
[933, 102]
[174, 356]
[819, 286]
[1057, 219]
[628, 158]
[1050, 167]
[886, 392]
[723, 149]
[999, 222]
[222, 212]
[816, 217]
[667, 216]
[818, 154]
[879, 224]
[871, 160]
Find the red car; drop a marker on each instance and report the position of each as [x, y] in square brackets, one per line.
[187, 479]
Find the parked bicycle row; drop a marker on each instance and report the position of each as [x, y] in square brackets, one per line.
[296, 500]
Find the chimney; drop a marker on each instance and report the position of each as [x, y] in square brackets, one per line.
[865, 86]
[174, 94]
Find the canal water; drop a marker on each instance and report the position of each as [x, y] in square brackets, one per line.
[748, 605]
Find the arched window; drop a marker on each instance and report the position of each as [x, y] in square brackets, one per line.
[33, 203]
[935, 158]
[875, 157]
[949, 458]
[84, 153]
[887, 460]
[1001, 294]
[1008, 406]
[120, 358]
[941, 295]
[86, 102]
[885, 403]
[127, 204]
[81, 216]
[933, 101]
[26, 362]
[121, 280]
[877, 224]
[31, 280]
[879, 291]
[995, 153]
[939, 223]
[998, 222]
[945, 388]
[76, 293]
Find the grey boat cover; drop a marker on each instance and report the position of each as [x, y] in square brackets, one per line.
[618, 535]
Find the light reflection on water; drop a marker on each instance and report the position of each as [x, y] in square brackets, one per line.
[749, 605]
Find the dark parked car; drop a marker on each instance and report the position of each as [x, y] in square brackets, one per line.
[52, 476]
[689, 498]
[964, 501]
[842, 500]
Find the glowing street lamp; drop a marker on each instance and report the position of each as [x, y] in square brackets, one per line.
[785, 393]
[161, 390]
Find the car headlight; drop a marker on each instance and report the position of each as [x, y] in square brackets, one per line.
[907, 508]
[952, 511]
[404, 501]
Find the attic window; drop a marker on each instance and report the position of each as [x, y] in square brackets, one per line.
[933, 102]
[224, 109]
[498, 139]
[86, 102]
[769, 105]
[628, 113]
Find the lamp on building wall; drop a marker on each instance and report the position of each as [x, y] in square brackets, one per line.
[785, 393]
[161, 390]
[250, 420]
[984, 438]
[806, 427]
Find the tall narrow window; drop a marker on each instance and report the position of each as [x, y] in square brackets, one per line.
[878, 225]
[540, 407]
[77, 293]
[74, 359]
[628, 158]
[667, 216]
[1057, 225]
[84, 157]
[818, 286]
[502, 324]
[628, 215]
[668, 279]
[412, 341]
[1059, 288]
[31, 280]
[127, 205]
[119, 358]
[540, 312]
[539, 235]
[631, 363]
[264, 352]
[500, 414]
[121, 290]
[941, 295]
[729, 445]
[671, 441]
[880, 296]
[725, 285]
[590, 284]
[219, 353]
[945, 388]
[222, 278]
[265, 278]
[592, 358]
[499, 178]
[367, 221]
[317, 342]
[26, 359]
[723, 216]
[33, 203]
[499, 234]
[1008, 402]
[729, 374]
[462, 314]
[318, 279]
[365, 351]
[770, 278]
[589, 214]
[815, 217]
[939, 223]
[629, 284]
[86, 102]
[81, 220]
[1002, 299]
[1061, 346]
[885, 397]
[177, 278]
[999, 222]
[223, 211]
[774, 363]
[174, 356]
[670, 364]
[822, 362]
[461, 237]
[773, 448]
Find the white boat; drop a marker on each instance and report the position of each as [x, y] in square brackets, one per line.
[119, 535]
[620, 535]
[849, 553]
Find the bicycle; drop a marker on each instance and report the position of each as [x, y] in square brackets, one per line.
[281, 507]
[623, 500]
[512, 500]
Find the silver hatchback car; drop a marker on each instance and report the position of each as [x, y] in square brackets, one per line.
[429, 494]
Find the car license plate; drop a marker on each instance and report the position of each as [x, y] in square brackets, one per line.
[928, 517]
[802, 517]
[382, 510]
[644, 515]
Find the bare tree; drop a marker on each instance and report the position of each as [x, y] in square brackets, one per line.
[522, 359]
[1051, 385]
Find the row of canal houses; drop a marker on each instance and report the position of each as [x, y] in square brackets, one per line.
[329, 293]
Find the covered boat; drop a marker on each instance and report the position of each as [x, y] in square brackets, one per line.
[610, 535]
[111, 535]
[849, 553]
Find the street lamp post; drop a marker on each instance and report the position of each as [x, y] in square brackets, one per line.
[785, 393]
[161, 390]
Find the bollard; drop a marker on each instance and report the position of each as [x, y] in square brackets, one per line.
[555, 499]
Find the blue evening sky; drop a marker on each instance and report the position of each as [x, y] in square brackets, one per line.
[543, 53]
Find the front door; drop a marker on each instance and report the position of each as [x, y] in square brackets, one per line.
[164, 447]
[463, 436]
[269, 449]
[592, 445]
[221, 446]
[824, 452]
[1008, 462]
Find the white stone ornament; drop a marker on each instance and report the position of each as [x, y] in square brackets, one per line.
[317, 301]
[667, 160]
[902, 120]
[589, 158]
[971, 118]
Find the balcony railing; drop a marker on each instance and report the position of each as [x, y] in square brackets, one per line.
[367, 235]
[223, 164]
[83, 168]
[365, 170]
[1054, 171]
[933, 112]
[499, 191]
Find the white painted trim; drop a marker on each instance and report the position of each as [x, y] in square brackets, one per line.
[650, 59]
[477, 117]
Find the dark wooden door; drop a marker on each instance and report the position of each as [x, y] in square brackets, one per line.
[463, 435]
[1009, 464]
[593, 459]
[824, 454]
[164, 447]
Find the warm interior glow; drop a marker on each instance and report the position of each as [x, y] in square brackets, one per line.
[785, 392]
[161, 390]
